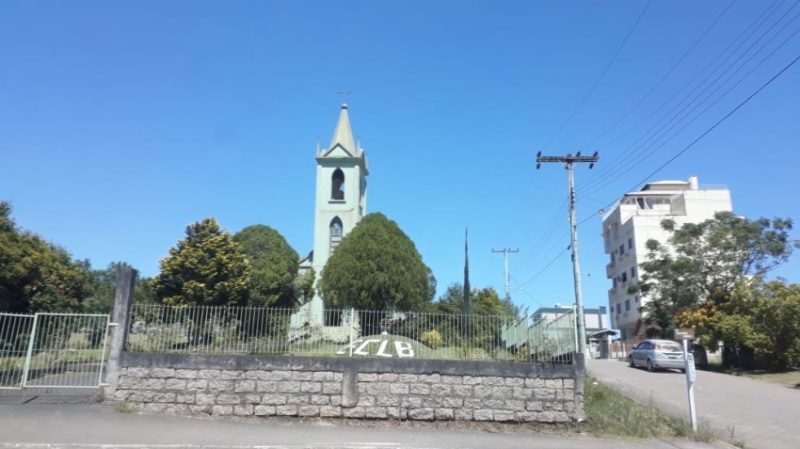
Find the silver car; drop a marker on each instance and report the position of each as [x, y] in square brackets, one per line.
[657, 354]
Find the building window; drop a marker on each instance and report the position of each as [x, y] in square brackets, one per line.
[336, 233]
[633, 272]
[630, 243]
[621, 249]
[627, 305]
[613, 257]
[624, 277]
[337, 185]
[619, 309]
[614, 282]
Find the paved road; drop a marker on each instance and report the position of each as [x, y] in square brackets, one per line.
[760, 414]
[99, 427]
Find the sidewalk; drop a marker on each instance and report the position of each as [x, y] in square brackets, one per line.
[760, 414]
[98, 426]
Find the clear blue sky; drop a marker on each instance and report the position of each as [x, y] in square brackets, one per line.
[122, 123]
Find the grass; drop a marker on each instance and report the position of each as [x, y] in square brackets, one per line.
[44, 360]
[611, 414]
[124, 407]
[789, 378]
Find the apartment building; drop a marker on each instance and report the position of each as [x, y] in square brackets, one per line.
[635, 219]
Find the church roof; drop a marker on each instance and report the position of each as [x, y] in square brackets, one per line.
[343, 134]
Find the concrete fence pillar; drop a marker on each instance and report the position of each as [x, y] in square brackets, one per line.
[120, 324]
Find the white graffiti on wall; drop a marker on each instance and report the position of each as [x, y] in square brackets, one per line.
[364, 347]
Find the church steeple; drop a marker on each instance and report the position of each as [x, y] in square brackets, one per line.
[343, 134]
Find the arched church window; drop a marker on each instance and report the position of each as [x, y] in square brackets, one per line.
[336, 233]
[337, 185]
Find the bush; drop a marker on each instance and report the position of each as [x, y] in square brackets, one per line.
[432, 339]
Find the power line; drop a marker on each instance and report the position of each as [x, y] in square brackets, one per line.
[549, 264]
[602, 75]
[665, 76]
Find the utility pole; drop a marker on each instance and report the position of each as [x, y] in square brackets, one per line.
[569, 160]
[506, 274]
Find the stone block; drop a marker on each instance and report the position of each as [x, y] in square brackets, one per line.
[208, 374]
[320, 399]
[417, 388]
[441, 390]
[367, 401]
[407, 378]
[244, 386]
[278, 375]
[450, 402]
[301, 375]
[375, 412]
[136, 372]
[184, 398]
[503, 415]
[327, 411]
[141, 396]
[367, 377]
[387, 377]
[199, 409]
[151, 384]
[162, 372]
[483, 415]
[569, 395]
[544, 394]
[222, 410]
[463, 414]
[515, 404]
[153, 408]
[228, 399]
[421, 414]
[121, 395]
[396, 412]
[205, 399]
[175, 384]
[164, 397]
[462, 390]
[297, 399]
[311, 387]
[308, 410]
[355, 412]
[186, 373]
[398, 388]
[336, 401]
[388, 401]
[452, 380]
[445, 414]
[270, 386]
[322, 376]
[515, 382]
[525, 416]
[332, 387]
[289, 386]
[273, 399]
[230, 374]
[243, 410]
[569, 383]
[378, 388]
[472, 380]
[220, 386]
[553, 384]
[252, 399]
[286, 410]
[429, 378]
[482, 391]
[337, 377]
[411, 402]
[502, 392]
[521, 393]
[264, 410]
[534, 406]
[196, 385]
[534, 383]
[253, 374]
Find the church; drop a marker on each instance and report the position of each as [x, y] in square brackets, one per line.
[341, 202]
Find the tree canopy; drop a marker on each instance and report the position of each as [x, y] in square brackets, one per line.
[376, 266]
[37, 276]
[273, 265]
[205, 268]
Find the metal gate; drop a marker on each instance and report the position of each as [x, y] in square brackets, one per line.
[52, 350]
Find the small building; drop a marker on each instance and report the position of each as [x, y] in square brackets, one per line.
[595, 319]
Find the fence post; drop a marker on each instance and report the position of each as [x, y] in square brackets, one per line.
[119, 326]
[29, 353]
[352, 323]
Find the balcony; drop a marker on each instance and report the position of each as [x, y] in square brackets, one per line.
[610, 270]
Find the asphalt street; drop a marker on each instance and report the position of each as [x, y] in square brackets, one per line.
[52, 426]
[763, 415]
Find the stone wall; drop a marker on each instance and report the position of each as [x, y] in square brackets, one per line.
[352, 388]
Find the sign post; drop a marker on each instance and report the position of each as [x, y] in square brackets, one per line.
[691, 374]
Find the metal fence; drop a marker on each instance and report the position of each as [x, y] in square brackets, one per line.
[52, 350]
[346, 333]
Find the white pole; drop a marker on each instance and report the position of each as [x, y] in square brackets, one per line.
[688, 360]
[352, 324]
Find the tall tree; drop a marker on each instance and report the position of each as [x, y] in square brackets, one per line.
[37, 276]
[705, 262]
[377, 267]
[467, 300]
[273, 265]
[205, 268]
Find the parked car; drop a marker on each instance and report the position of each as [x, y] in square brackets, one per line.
[657, 354]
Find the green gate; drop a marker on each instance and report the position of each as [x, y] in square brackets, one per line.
[52, 350]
